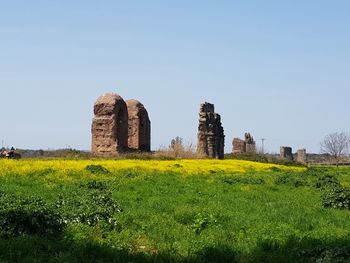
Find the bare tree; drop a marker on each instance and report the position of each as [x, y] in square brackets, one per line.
[176, 144]
[336, 145]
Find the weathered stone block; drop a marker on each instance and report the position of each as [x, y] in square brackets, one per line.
[109, 126]
[244, 146]
[139, 133]
[301, 156]
[239, 146]
[211, 138]
[250, 143]
[286, 153]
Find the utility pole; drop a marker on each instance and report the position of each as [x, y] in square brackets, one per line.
[262, 144]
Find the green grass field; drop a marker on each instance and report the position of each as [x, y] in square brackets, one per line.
[53, 212]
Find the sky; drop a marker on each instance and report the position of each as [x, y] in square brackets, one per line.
[277, 69]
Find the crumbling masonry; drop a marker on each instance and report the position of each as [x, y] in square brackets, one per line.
[286, 153]
[139, 134]
[244, 146]
[211, 138]
[301, 156]
[112, 125]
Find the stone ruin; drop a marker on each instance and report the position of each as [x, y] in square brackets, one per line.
[139, 134]
[286, 153]
[211, 138]
[301, 156]
[244, 146]
[239, 146]
[110, 126]
[249, 143]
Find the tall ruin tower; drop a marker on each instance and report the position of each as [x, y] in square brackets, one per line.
[119, 126]
[139, 132]
[109, 126]
[211, 138]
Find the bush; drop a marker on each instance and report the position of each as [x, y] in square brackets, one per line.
[21, 216]
[177, 149]
[337, 197]
[284, 179]
[96, 169]
[201, 222]
[326, 254]
[244, 180]
[318, 178]
[96, 185]
[254, 157]
[262, 158]
[92, 205]
[325, 181]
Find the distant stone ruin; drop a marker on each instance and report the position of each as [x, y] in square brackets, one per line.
[250, 143]
[301, 156]
[239, 146]
[244, 146]
[110, 126]
[211, 138]
[139, 134]
[286, 153]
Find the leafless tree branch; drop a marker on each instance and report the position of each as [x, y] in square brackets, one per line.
[336, 145]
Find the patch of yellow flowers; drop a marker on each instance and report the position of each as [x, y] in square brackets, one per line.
[186, 167]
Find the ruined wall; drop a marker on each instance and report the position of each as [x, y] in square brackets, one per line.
[139, 126]
[211, 138]
[109, 126]
[239, 146]
[286, 153]
[250, 143]
[244, 146]
[301, 156]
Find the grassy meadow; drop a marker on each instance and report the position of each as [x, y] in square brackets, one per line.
[172, 211]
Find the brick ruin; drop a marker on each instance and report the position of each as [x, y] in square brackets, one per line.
[301, 156]
[250, 143]
[211, 138]
[122, 126]
[239, 146]
[244, 146]
[286, 153]
[139, 134]
[110, 126]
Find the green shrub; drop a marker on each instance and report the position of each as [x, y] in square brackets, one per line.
[261, 158]
[317, 178]
[96, 185]
[254, 157]
[326, 254]
[291, 180]
[275, 169]
[214, 254]
[244, 180]
[325, 181]
[337, 197]
[285, 179]
[20, 216]
[201, 222]
[96, 169]
[92, 205]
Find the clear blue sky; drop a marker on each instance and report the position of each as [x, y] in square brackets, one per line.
[278, 69]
